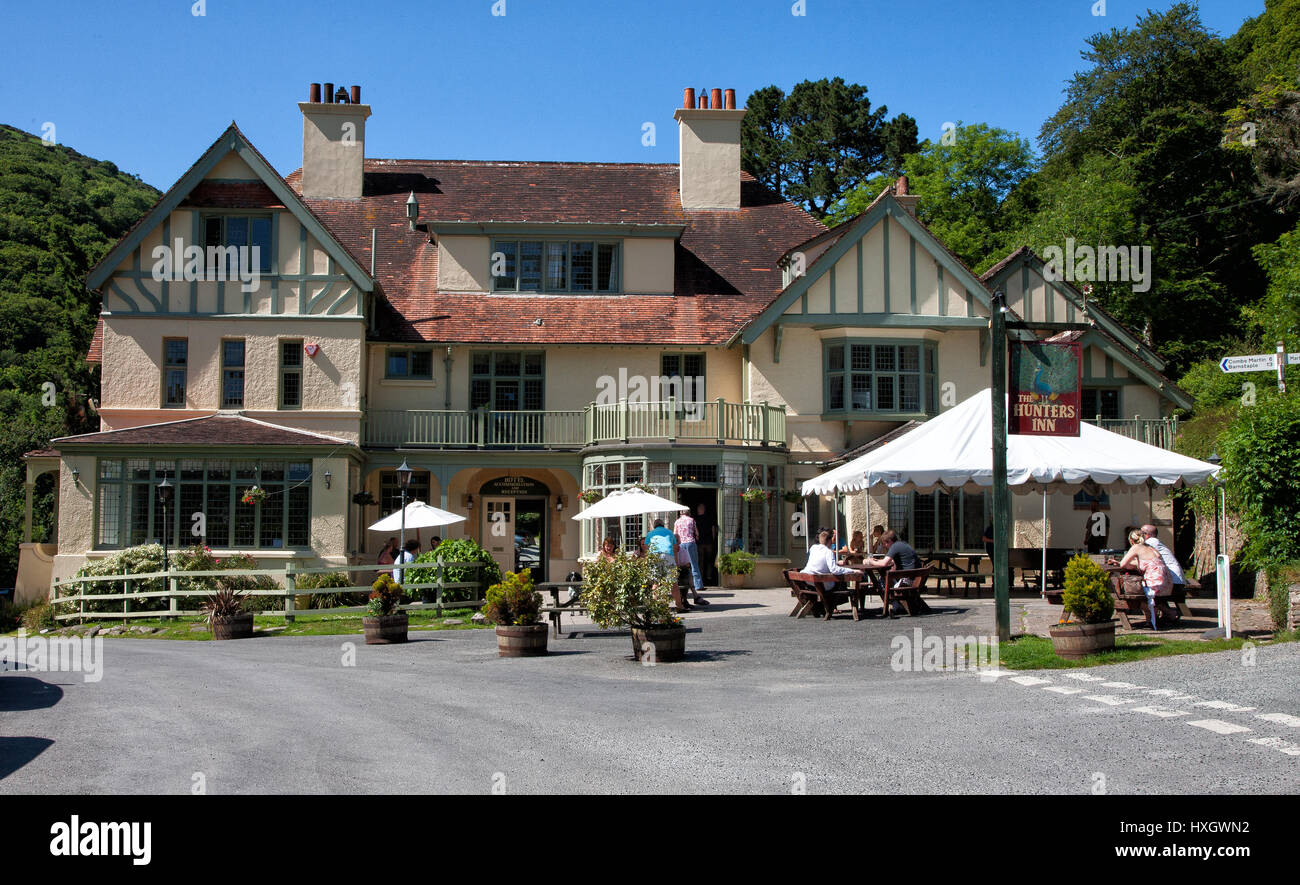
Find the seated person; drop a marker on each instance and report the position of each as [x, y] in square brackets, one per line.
[898, 555]
[877, 546]
[663, 544]
[821, 559]
[1171, 562]
[1156, 580]
[854, 550]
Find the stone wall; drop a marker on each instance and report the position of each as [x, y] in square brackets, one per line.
[1293, 610]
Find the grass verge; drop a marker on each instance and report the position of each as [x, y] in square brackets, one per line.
[1035, 652]
[303, 625]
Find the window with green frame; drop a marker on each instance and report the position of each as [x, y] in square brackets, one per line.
[1100, 402]
[864, 376]
[411, 363]
[941, 520]
[574, 266]
[507, 380]
[291, 374]
[176, 355]
[240, 231]
[128, 513]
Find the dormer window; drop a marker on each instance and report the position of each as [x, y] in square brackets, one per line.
[243, 232]
[555, 266]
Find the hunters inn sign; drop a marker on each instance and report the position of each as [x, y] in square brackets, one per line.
[1045, 388]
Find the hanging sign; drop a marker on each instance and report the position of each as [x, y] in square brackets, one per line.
[1045, 388]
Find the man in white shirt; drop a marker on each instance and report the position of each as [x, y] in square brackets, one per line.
[821, 558]
[1171, 563]
[408, 555]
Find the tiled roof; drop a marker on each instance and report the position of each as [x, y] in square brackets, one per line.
[726, 260]
[95, 354]
[219, 430]
[232, 195]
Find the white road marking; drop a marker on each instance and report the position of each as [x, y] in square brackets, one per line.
[1064, 689]
[1162, 692]
[1159, 711]
[1218, 726]
[1275, 743]
[991, 673]
[1223, 705]
[1109, 700]
[1280, 718]
[1030, 680]
[1084, 677]
[1119, 685]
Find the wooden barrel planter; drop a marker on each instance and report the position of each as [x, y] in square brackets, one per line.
[669, 643]
[1074, 641]
[521, 642]
[237, 627]
[386, 630]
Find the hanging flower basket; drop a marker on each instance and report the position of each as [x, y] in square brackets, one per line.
[643, 486]
[793, 498]
[254, 495]
[363, 499]
[755, 496]
[590, 496]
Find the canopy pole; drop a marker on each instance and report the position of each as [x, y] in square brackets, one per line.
[806, 528]
[1043, 571]
[1001, 495]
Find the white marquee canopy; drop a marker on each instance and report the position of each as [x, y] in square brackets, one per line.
[954, 450]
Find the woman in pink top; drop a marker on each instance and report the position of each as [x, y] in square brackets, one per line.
[1156, 580]
[688, 539]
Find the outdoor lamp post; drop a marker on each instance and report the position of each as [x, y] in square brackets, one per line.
[164, 498]
[404, 474]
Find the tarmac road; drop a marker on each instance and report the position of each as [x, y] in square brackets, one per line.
[764, 704]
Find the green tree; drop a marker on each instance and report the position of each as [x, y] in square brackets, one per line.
[819, 142]
[60, 212]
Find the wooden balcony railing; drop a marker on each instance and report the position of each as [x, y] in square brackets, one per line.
[1153, 431]
[718, 422]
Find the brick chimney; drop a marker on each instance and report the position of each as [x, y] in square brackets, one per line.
[333, 142]
[709, 139]
[901, 194]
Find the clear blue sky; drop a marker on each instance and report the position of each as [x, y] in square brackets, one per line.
[149, 86]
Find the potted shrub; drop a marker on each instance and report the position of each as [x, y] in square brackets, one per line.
[734, 567]
[1087, 597]
[384, 624]
[635, 592]
[225, 610]
[515, 607]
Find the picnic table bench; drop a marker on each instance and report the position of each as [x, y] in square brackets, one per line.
[1130, 600]
[822, 594]
[944, 567]
[573, 605]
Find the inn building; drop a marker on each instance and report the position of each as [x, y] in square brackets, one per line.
[504, 328]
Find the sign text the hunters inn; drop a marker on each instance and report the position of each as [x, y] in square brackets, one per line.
[1045, 388]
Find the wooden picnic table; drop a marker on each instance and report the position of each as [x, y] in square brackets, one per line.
[557, 608]
[881, 577]
[1128, 604]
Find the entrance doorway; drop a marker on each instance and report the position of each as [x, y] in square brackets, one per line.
[707, 523]
[515, 525]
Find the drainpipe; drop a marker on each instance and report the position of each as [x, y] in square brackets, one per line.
[446, 397]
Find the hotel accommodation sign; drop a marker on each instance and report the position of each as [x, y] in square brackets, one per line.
[1045, 388]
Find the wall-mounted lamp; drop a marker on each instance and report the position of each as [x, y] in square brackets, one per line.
[76, 475]
[560, 502]
[328, 476]
[468, 501]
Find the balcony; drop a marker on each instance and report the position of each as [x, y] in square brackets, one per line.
[709, 423]
[1159, 432]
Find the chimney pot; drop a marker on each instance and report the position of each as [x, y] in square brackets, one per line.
[704, 100]
[329, 93]
[356, 95]
[341, 97]
[313, 93]
[715, 99]
[730, 100]
[688, 98]
[901, 188]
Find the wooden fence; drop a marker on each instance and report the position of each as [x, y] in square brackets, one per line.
[287, 591]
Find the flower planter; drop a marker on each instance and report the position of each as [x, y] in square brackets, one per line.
[526, 641]
[733, 582]
[668, 644]
[1074, 641]
[387, 629]
[236, 627]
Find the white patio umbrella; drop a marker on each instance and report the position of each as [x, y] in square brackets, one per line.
[954, 450]
[628, 502]
[419, 515]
